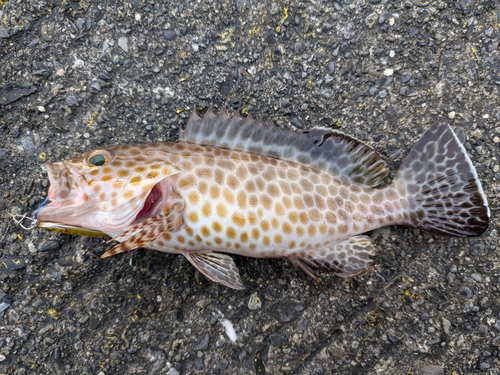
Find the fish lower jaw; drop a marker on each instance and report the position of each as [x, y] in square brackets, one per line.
[68, 229]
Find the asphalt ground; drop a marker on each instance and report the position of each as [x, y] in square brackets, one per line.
[79, 75]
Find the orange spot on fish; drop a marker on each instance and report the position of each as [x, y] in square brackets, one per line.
[275, 223]
[230, 232]
[193, 197]
[238, 219]
[217, 226]
[205, 231]
[214, 192]
[279, 209]
[265, 240]
[193, 217]
[264, 225]
[221, 210]
[206, 210]
[244, 237]
[252, 218]
[255, 234]
[278, 239]
[135, 180]
[287, 228]
[228, 196]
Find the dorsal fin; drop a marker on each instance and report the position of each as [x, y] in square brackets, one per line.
[324, 149]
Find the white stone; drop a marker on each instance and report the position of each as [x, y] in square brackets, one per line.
[123, 43]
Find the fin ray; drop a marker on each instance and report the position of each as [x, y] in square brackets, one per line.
[441, 186]
[324, 149]
[142, 234]
[351, 257]
[217, 267]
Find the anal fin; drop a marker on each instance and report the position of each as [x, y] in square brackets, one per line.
[217, 267]
[351, 257]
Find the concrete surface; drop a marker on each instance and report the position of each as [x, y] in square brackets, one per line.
[78, 75]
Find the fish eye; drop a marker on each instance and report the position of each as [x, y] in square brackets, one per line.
[99, 158]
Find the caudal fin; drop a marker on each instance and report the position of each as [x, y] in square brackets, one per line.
[440, 184]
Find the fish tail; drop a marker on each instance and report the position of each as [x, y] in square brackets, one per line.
[440, 188]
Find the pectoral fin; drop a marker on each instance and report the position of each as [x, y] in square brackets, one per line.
[217, 267]
[348, 258]
[149, 230]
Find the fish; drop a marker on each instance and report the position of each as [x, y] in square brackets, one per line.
[236, 185]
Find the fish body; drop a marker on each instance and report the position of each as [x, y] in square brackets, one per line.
[243, 187]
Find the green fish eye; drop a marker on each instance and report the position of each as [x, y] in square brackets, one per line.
[97, 160]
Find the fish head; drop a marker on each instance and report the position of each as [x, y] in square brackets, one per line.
[105, 190]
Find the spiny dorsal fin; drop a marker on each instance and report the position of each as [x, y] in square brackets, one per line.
[324, 149]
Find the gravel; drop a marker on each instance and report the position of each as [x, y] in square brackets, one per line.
[80, 75]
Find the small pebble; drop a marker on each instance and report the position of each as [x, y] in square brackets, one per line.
[123, 43]
[497, 325]
[169, 35]
[451, 115]
[466, 292]
[326, 93]
[4, 33]
[285, 103]
[484, 366]
[388, 72]
[483, 330]
[71, 100]
[477, 277]
[331, 67]
[432, 370]
[302, 324]
[220, 341]
[203, 343]
[254, 302]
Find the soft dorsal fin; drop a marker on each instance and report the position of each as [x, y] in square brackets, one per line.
[324, 149]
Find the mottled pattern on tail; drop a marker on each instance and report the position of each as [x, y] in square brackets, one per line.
[442, 190]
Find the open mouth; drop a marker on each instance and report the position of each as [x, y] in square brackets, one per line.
[76, 216]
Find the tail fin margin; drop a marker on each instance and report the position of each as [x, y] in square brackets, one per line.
[441, 187]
